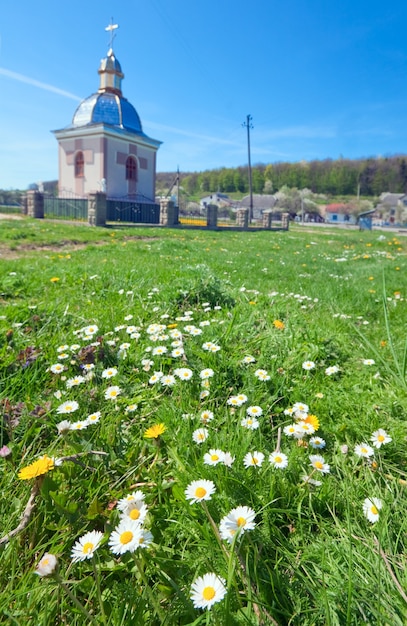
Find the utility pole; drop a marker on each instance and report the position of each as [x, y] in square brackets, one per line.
[248, 125]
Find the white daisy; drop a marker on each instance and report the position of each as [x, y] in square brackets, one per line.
[46, 565]
[308, 365]
[200, 435]
[109, 373]
[136, 511]
[248, 359]
[250, 423]
[254, 411]
[155, 378]
[63, 427]
[111, 393]
[228, 459]
[380, 437]
[207, 590]
[57, 368]
[332, 369]
[254, 459]
[93, 418]
[318, 463]
[317, 442]
[145, 539]
[278, 460]
[363, 449]
[239, 519]
[70, 406]
[199, 490]
[184, 373]
[86, 545]
[371, 508]
[126, 536]
[206, 416]
[213, 457]
[206, 373]
[136, 497]
[262, 375]
[80, 425]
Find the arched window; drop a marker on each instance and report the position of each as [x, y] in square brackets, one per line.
[131, 168]
[79, 165]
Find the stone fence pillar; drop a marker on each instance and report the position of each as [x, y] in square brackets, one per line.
[285, 220]
[97, 209]
[212, 216]
[35, 204]
[168, 212]
[267, 219]
[242, 218]
[24, 205]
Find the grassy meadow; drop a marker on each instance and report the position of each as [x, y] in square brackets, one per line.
[202, 427]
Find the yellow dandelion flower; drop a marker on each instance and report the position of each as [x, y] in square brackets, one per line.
[313, 420]
[172, 325]
[279, 324]
[54, 279]
[38, 468]
[155, 431]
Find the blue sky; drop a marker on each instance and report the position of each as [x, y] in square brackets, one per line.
[320, 79]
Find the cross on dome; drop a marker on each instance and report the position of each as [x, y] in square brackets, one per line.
[111, 28]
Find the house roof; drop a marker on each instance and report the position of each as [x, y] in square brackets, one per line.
[260, 201]
[337, 207]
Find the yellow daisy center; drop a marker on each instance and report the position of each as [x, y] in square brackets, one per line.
[374, 510]
[241, 521]
[44, 562]
[363, 450]
[88, 547]
[277, 459]
[200, 492]
[318, 464]
[214, 457]
[201, 436]
[208, 593]
[380, 438]
[134, 514]
[126, 537]
[255, 461]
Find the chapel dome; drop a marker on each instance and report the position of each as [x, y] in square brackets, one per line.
[108, 106]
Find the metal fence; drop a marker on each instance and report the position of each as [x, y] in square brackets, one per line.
[69, 208]
[133, 212]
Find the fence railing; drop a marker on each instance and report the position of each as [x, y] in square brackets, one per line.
[134, 212]
[70, 208]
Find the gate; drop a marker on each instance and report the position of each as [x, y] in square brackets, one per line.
[134, 212]
[69, 208]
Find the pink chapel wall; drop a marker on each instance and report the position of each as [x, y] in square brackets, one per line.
[92, 149]
[105, 158]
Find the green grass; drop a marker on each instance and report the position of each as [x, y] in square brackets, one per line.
[313, 559]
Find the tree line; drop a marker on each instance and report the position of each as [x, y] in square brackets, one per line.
[368, 177]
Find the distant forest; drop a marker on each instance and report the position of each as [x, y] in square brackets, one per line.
[341, 177]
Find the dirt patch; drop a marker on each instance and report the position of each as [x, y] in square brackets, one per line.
[65, 246]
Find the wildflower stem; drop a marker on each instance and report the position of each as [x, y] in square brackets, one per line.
[149, 592]
[215, 530]
[98, 590]
[74, 599]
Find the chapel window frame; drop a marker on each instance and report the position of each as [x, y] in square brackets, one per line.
[131, 168]
[79, 165]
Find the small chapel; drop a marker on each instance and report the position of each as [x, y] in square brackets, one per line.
[104, 149]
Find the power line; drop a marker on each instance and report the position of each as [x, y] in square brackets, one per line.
[248, 125]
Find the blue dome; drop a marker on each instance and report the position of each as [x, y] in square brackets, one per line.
[107, 108]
